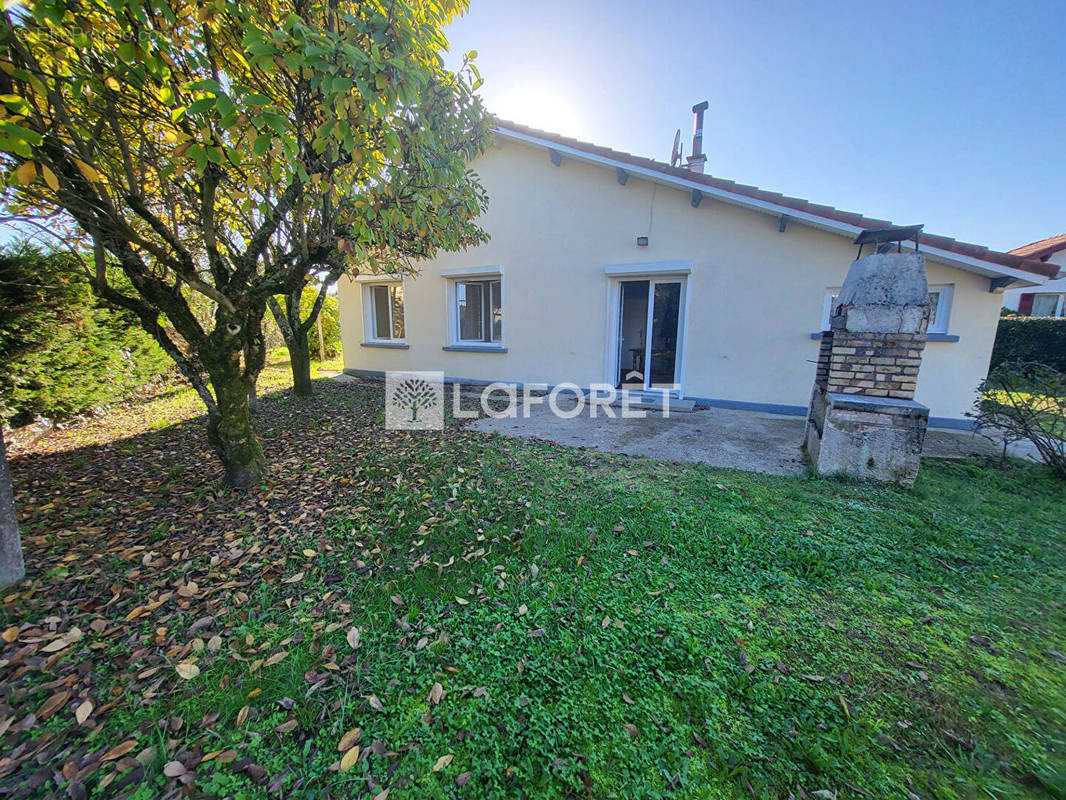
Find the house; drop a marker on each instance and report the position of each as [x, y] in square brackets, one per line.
[605, 267]
[1048, 300]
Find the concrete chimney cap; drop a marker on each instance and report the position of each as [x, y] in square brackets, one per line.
[885, 293]
[886, 279]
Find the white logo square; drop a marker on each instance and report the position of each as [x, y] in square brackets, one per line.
[414, 401]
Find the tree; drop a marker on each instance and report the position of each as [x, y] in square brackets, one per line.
[12, 569]
[295, 320]
[229, 151]
[61, 351]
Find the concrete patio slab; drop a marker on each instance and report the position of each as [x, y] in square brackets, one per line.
[747, 440]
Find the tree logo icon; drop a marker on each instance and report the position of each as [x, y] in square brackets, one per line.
[414, 400]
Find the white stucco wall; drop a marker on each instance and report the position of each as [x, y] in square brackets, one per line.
[755, 295]
[1012, 296]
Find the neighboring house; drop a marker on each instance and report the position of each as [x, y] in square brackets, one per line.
[596, 254]
[1048, 300]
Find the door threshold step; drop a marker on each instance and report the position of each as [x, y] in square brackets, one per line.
[655, 402]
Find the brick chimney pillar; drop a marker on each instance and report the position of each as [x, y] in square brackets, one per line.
[863, 419]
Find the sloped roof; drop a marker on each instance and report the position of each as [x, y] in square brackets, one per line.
[1012, 260]
[1043, 249]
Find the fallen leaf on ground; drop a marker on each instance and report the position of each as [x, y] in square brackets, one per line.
[349, 739]
[352, 637]
[442, 762]
[435, 694]
[82, 712]
[174, 769]
[349, 759]
[119, 750]
[186, 670]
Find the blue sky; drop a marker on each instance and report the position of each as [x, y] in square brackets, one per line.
[950, 114]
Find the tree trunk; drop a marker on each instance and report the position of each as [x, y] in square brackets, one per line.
[12, 568]
[253, 397]
[294, 332]
[230, 430]
[300, 359]
[321, 338]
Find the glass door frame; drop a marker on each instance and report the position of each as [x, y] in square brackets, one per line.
[614, 327]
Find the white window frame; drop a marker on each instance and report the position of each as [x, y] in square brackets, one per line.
[475, 275]
[370, 314]
[1060, 310]
[943, 309]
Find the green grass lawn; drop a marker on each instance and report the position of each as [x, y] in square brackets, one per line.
[507, 618]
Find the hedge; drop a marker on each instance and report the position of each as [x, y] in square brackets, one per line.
[1040, 339]
[61, 351]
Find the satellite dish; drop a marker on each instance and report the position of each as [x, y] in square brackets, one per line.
[675, 153]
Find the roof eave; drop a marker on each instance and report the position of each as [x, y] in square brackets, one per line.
[984, 268]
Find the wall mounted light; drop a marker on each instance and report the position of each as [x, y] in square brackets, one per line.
[642, 241]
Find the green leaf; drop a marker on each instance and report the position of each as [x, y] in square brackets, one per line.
[202, 105]
[224, 105]
[261, 144]
[206, 85]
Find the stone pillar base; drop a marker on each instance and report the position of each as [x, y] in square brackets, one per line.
[877, 438]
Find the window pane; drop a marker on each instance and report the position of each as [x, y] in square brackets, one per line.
[934, 301]
[1045, 305]
[496, 312]
[397, 312]
[381, 311]
[468, 300]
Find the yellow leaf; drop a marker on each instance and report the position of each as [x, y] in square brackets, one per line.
[349, 739]
[82, 712]
[90, 173]
[26, 174]
[112, 83]
[50, 178]
[442, 762]
[310, 553]
[242, 715]
[186, 670]
[274, 659]
[11, 634]
[349, 759]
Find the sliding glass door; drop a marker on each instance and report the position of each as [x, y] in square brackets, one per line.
[649, 333]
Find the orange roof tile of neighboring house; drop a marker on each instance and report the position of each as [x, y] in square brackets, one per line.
[1013, 260]
[1043, 249]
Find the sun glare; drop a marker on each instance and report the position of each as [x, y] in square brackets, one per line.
[539, 106]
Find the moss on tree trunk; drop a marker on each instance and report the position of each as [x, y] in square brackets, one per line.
[231, 433]
[300, 360]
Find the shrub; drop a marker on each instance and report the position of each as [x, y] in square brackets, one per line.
[61, 351]
[1026, 400]
[1032, 339]
[331, 327]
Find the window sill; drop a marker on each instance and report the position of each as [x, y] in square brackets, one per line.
[389, 345]
[475, 348]
[929, 337]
